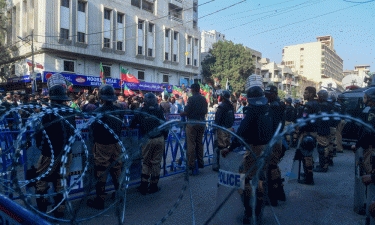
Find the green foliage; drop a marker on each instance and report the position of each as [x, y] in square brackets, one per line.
[294, 92]
[281, 94]
[227, 60]
[4, 23]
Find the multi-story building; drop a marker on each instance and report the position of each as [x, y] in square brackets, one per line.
[356, 77]
[315, 61]
[208, 38]
[157, 41]
[256, 57]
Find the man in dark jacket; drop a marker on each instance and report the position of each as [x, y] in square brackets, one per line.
[151, 117]
[106, 148]
[195, 110]
[58, 133]
[223, 116]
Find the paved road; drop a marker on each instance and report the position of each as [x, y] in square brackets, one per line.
[330, 201]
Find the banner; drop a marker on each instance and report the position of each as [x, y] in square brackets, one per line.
[25, 78]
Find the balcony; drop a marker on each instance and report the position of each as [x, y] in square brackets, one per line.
[175, 18]
[276, 79]
[177, 3]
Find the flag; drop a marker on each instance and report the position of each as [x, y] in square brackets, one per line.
[102, 74]
[165, 92]
[141, 93]
[176, 91]
[69, 85]
[29, 62]
[39, 66]
[127, 91]
[208, 97]
[125, 76]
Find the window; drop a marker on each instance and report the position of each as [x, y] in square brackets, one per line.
[65, 3]
[136, 3]
[107, 43]
[68, 66]
[64, 33]
[188, 61]
[175, 36]
[150, 52]
[165, 78]
[81, 37]
[107, 71]
[302, 49]
[140, 25]
[195, 7]
[174, 57]
[148, 6]
[140, 51]
[166, 33]
[120, 45]
[141, 75]
[166, 56]
[150, 27]
[195, 62]
[107, 14]
[81, 6]
[195, 24]
[196, 42]
[120, 18]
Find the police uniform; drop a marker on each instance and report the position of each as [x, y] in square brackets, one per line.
[256, 130]
[310, 108]
[340, 127]
[290, 115]
[153, 149]
[299, 114]
[106, 149]
[223, 138]
[324, 132]
[58, 134]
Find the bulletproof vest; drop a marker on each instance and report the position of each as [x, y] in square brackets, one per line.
[325, 107]
[278, 113]
[299, 111]
[289, 113]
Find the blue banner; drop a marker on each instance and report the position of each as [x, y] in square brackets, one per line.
[116, 83]
[25, 78]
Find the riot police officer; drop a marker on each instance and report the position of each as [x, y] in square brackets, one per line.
[323, 133]
[106, 148]
[340, 100]
[274, 182]
[153, 150]
[298, 106]
[257, 130]
[304, 153]
[224, 117]
[290, 115]
[58, 134]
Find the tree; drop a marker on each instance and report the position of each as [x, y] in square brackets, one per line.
[4, 26]
[227, 60]
[294, 92]
[281, 94]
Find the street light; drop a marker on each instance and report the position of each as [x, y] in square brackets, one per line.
[32, 57]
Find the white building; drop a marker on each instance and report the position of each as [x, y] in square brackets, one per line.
[208, 38]
[157, 41]
[256, 57]
[316, 60]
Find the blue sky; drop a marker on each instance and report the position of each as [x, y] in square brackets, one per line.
[262, 25]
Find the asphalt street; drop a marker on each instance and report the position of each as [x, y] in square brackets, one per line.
[329, 201]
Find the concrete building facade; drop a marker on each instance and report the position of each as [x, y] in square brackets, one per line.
[315, 61]
[157, 41]
[208, 38]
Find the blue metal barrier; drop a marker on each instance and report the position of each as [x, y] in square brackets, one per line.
[13, 213]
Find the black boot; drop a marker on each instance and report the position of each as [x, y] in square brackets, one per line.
[308, 179]
[281, 193]
[96, 203]
[143, 187]
[321, 168]
[42, 204]
[154, 185]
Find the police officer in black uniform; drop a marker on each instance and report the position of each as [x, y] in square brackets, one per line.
[290, 114]
[323, 133]
[304, 153]
[257, 130]
[58, 134]
[298, 114]
[224, 113]
[153, 149]
[274, 180]
[342, 110]
[106, 148]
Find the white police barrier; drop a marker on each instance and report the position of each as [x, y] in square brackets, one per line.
[12, 213]
[228, 178]
[360, 190]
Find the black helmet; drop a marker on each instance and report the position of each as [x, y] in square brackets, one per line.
[308, 143]
[297, 101]
[150, 99]
[58, 93]
[107, 93]
[370, 94]
[225, 94]
[323, 95]
[289, 100]
[255, 96]
[332, 97]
